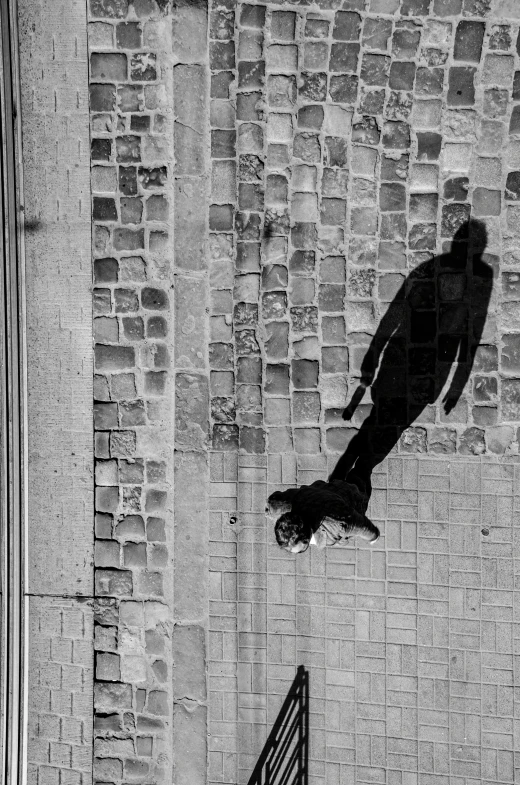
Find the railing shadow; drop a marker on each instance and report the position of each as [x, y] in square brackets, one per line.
[285, 757]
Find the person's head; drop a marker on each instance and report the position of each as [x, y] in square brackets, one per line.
[291, 533]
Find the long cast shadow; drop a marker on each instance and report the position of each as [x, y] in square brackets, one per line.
[431, 329]
[285, 757]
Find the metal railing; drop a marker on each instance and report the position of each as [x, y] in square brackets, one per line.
[285, 757]
[12, 414]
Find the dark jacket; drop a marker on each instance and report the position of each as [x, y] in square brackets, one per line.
[338, 499]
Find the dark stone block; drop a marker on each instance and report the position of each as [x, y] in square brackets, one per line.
[131, 210]
[277, 340]
[133, 328]
[108, 65]
[485, 389]
[277, 379]
[249, 370]
[395, 169]
[456, 189]
[156, 327]
[128, 239]
[372, 102]
[101, 149]
[510, 356]
[250, 197]
[222, 55]
[220, 84]
[461, 88]
[423, 207]
[104, 209]
[429, 81]
[486, 359]
[447, 7]
[453, 217]
[248, 257]
[274, 276]
[222, 22]
[111, 9]
[428, 146]
[247, 226]
[423, 237]
[153, 299]
[253, 16]
[247, 104]
[486, 202]
[102, 97]
[304, 236]
[276, 189]
[140, 123]
[514, 123]
[402, 76]
[319, 28]
[310, 117]
[334, 182]
[516, 86]
[374, 70]
[127, 180]
[307, 147]
[251, 75]
[333, 212]
[500, 38]
[105, 271]
[125, 301]
[405, 40]
[252, 440]
[128, 149]
[304, 318]
[220, 217]
[313, 86]
[347, 26]
[396, 135]
[336, 151]
[344, 57]
[366, 132]
[128, 35]
[302, 262]
[376, 32]
[392, 197]
[393, 225]
[512, 193]
[225, 437]
[343, 89]
[274, 305]
[129, 98]
[304, 374]
[250, 168]
[468, 41]
[434, 57]
[415, 7]
[153, 178]
[143, 67]
[223, 144]
[283, 24]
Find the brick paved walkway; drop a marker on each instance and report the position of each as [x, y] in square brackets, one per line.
[411, 645]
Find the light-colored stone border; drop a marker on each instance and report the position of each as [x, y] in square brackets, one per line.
[191, 502]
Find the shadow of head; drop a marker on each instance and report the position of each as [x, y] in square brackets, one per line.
[472, 236]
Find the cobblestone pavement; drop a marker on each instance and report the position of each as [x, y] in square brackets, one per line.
[349, 142]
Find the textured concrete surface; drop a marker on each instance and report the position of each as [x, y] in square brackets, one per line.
[59, 536]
